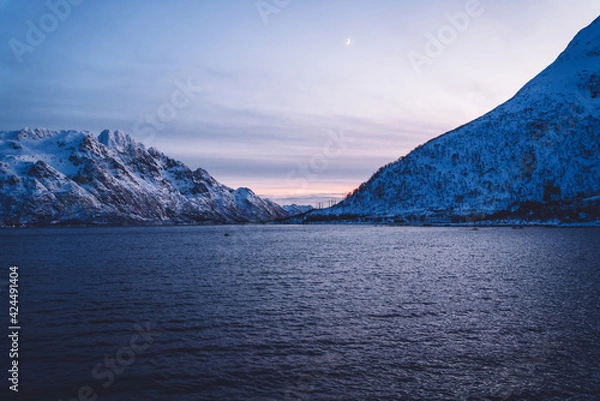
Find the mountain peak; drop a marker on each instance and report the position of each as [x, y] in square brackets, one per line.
[117, 140]
[36, 133]
[584, 45]
[574, 72]
[70, 177]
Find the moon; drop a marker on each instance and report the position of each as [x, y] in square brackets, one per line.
[348, 42]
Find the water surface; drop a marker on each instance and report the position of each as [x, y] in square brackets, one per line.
[308, 313]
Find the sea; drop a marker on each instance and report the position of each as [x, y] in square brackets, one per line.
[298, 312]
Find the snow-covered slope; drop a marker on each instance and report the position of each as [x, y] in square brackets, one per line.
[535, 157]
[70, 177]
[294, 210]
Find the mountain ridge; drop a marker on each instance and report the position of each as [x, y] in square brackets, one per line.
[534, 157]
[50, 177]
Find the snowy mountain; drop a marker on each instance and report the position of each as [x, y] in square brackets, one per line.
[69, 177]
[535, 157]
[295, 210]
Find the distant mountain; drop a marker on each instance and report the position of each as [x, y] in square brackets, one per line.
[294, 210]
[69, 177]
[535, 157]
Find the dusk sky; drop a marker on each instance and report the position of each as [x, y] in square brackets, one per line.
[300, 100]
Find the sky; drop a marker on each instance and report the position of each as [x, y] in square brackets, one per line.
[299, 100]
